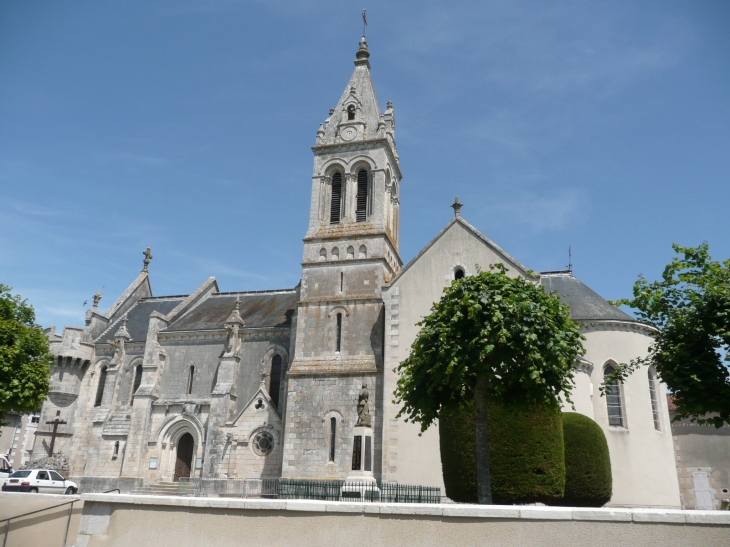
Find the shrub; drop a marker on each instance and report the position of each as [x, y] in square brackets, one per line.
[588, 480]
[526, 457]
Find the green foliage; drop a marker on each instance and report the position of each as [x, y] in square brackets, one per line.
[508, 330]
[588, 480]
[690, 306]
[25, 360]
[526, 458]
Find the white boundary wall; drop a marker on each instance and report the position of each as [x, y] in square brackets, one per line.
[141, 521]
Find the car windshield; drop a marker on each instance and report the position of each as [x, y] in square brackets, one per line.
[20, 474]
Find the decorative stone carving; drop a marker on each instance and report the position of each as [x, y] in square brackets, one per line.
[363, 409]
[147, 258]
[97, 298]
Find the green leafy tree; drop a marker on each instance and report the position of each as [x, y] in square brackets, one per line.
[489, 337]
[690, 307]
[25, 360]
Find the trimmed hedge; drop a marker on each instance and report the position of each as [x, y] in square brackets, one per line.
[588, 481]
[527, 461]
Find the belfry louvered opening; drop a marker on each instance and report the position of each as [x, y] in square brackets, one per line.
[336, 205]
[361, 213]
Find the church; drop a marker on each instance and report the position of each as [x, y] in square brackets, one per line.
[267, 384]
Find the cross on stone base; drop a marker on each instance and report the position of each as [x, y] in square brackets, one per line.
[55, 423]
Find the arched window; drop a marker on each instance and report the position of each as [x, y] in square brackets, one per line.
[459, 273]
[339, 332]
[361, 212]
[613, 400]
[275, 380]
[654, 401]
[100, 387]
[137, 381]
[322, 254]
[335, 253]
[351, 112]
[336, 202]
[362, 252]
[191, 377]
[350, 252]
[116, 450]
[333, 432]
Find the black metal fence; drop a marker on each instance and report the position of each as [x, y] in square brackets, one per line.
[327, 490]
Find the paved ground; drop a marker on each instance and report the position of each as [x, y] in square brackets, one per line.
[44, 529]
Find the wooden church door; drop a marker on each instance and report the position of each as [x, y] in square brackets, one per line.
[184, 457]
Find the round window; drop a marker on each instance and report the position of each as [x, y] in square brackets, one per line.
[263, 443]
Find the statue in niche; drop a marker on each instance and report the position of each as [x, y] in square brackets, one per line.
[363, 410]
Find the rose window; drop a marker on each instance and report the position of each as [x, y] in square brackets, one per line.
[263, 443]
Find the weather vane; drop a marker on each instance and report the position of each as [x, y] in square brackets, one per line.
[364, 21]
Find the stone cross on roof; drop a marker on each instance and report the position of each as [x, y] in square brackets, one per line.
[457, 207]
[147, 258]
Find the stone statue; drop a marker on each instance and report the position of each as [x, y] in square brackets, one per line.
[363, 410]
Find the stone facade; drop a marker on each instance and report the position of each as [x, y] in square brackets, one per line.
[265, 384]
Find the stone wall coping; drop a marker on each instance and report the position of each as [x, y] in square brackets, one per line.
[606, 514]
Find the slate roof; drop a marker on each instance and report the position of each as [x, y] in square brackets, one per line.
[138, 317]
[585, 303]
[258, 309]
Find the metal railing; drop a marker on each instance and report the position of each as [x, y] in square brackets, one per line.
[327, 490]
[68, 521]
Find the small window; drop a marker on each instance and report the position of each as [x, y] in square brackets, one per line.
[350, 252]
[322, 254]
[342, 281]
[37, 419]
[362, 252]
[459, 273]
[339, 331]
[654, 401]
[191, 378]
[336, 202]
[613, 400]
[335, 253]
[361, 212]
[333, 432]
[116, 449]
[351, 112]
[100, 387]
[137, 380]
[275, 380]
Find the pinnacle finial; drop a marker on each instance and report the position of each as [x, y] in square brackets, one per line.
[457, 207]
[362, 55]
[97, 298]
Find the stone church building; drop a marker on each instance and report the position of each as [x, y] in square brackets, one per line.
[265, 383]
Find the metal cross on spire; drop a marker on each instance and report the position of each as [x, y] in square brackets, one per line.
[364, 21]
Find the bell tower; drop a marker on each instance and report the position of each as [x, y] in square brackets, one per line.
[350, 251]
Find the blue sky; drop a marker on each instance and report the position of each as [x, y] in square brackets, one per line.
[186, 126]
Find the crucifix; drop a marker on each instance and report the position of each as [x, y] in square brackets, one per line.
[55, 423]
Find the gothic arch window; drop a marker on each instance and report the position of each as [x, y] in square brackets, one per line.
[191, 378]
[322, 254]
[336, 201]
[459, 273]
[137, 381]
[350, 252]
[335, 253]
[100, 386]
[339, 332]
[614, 400]
[351, 112]
[361, 212]
[654, 400]
[275, 379]
[362, 252]
[333, 437]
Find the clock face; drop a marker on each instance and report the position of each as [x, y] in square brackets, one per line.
[348, 133]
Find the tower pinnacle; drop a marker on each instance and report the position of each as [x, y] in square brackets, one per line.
[362, 55]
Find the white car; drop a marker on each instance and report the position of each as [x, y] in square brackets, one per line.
[44, 481]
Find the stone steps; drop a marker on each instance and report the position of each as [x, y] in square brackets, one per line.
[157, 489]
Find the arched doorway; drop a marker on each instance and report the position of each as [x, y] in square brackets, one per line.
[184, 456]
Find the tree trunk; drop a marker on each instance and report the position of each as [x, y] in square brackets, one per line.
[484, 487]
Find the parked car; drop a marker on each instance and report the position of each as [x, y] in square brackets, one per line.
[44, 481]
[5, 469]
